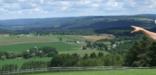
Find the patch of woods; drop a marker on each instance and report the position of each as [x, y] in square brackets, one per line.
[32, 52]
[115, 45]
[93, 59]
[40, 52]
[142, 54]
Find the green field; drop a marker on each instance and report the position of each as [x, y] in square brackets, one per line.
[17, 43]
[106, 72]
[22, 39]
[60, 46]
[20, 61]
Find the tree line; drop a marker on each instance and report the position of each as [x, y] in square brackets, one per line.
[93, 59]
[32, 52]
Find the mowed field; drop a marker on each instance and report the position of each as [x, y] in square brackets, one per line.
[20, 43]
[105, 72]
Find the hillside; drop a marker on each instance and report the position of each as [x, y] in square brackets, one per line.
[87, 24]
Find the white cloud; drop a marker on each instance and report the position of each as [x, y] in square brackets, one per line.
[85, 1]
[19, 12]
[37, 9]
[11, 7]
[65, 2]
[95, 5]
[42, 1]
[152, 4]
[76, 7]
[64, 8]
[34, 5]
[65, 5]
[132, 3]
[2, 10]
[21, 0]
[114, 4]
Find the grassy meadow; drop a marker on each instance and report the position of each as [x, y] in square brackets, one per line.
[105, 72]
[17, 43]
[19, 61]
[67, 44]
[60, 46]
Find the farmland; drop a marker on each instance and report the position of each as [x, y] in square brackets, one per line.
[16, 48]
[64, 44]
[30, 38]
[96, 38]
[19, 43]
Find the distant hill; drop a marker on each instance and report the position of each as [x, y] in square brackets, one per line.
[89, 24]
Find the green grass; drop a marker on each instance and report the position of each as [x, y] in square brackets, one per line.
[17, 39]
[60, 46]
[106, 72]
[17, 43]
[20, 61]
[8, 40]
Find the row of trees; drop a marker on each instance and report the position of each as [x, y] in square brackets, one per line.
[32, 52]
[99, 45]
[34, 65]
[100, 59]
[40, 52]
[7, 55]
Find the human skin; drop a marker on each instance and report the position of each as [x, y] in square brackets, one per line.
[148, 33]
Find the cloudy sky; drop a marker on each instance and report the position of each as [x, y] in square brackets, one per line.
[13, 9]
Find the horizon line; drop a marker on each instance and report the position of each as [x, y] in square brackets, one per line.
[75, 16]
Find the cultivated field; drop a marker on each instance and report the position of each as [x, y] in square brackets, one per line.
[106, 72]
[98, 37]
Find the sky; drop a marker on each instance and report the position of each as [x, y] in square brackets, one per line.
[16, 9]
